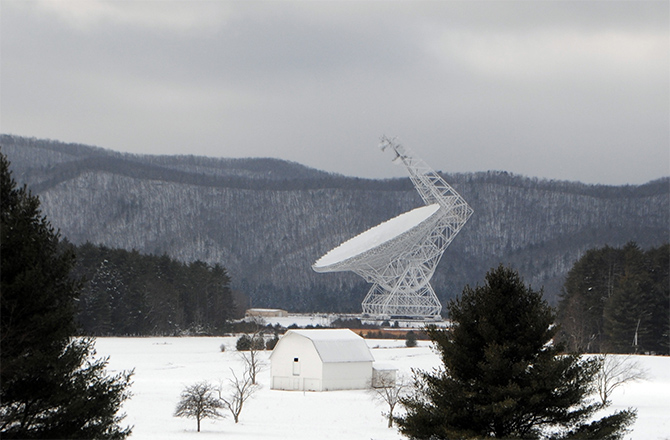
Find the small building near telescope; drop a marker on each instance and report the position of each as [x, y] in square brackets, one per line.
[321, 360]
[265, 313]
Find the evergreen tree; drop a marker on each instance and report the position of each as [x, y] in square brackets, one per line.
[612, 294]
[50, 384]
[502, 376]
[102, 301]
[410, 339]
[220, 305]
[128, 293]
[588, 286]
[628, 313]
[658, 267]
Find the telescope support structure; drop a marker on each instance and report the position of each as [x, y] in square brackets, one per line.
[402, 289]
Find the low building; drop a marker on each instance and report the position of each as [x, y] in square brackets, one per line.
[321, 360]
[383, 375]
[265, 313]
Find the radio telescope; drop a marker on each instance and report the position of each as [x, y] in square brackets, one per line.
[399, 256]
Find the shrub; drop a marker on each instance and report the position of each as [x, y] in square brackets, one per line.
[410, 339]
[271, 343]
[246, 343]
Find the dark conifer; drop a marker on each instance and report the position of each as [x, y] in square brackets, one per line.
[617, 300]
[502, 376]
[410, 339]
[658, 267]
[50, 384]
[587, 288]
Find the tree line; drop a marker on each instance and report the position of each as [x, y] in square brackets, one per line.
[613, 299]
[617, 300]
[129, 293]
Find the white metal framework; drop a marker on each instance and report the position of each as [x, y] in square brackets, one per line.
[401, 267]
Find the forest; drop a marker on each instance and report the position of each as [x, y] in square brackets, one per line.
[267, 220]
[617, 300]
[125, 293]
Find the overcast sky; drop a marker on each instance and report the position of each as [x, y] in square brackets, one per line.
[569, 90]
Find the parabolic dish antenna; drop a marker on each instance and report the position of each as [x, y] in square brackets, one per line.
[405, 228]
[399, 256]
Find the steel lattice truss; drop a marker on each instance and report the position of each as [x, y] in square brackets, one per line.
[403, 288]
[400, 269]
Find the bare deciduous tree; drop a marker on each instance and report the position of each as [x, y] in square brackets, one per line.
[240, 390]
[389, 390]
[615, 371]
[199, 402]
[252, 361]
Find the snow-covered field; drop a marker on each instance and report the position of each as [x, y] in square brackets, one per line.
[163, 366]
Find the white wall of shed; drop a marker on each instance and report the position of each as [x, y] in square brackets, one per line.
[288, 348]
[347, 375]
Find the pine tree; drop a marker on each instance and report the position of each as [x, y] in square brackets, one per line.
[612, 294]
[502, 376]
[658, 267]
[50, 384]
[628, 313]
[220, 300]
[410, 339]
[628, 316]
[588, 286]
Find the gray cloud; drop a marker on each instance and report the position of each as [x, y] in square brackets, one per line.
[563, 90]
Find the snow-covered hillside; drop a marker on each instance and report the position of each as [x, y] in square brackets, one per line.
[163, 366]
[266, 221]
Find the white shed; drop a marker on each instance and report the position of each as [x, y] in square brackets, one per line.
[321, 360]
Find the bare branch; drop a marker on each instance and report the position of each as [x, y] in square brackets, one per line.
[198, 402]
[615, 371]
[253, 363]
[240, 390]
[389, 390]
[252, 345]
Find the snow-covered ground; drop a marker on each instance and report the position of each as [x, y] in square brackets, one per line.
[163, 366]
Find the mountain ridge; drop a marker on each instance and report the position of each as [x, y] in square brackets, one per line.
[267, 220]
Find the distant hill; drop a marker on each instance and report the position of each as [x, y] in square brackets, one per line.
[268, 220]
